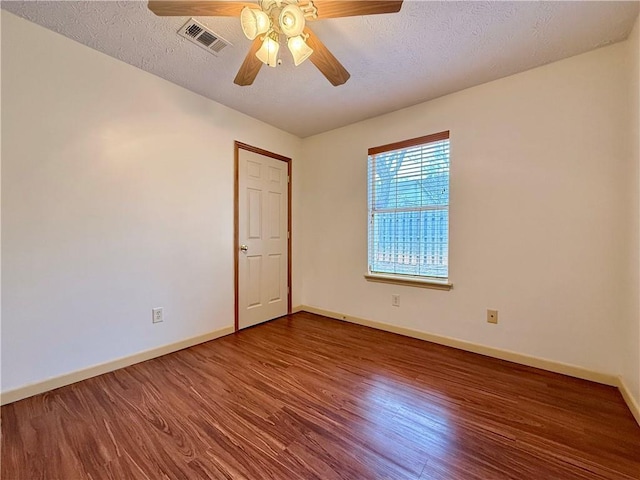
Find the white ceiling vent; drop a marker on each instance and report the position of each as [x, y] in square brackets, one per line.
[197, 33]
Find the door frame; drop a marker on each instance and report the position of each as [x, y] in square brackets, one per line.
[236, 224]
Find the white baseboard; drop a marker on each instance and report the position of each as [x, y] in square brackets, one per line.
[550, 365]
[95, 370]
[531, 361]
[628, 398]
[542, 363]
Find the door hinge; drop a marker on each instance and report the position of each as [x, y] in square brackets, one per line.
[288, 235]
[288, 290]
[288, 179]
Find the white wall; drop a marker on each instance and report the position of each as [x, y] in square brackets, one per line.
[630, 331]
[538, 172]
[117, 196]
[0, 200]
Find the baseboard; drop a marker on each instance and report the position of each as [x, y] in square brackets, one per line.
[542, 363]
[628, 398]
[531, 361]
[95, 370]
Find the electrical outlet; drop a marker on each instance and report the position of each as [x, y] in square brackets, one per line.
[492, 316]
[395, 300]
[157, 315]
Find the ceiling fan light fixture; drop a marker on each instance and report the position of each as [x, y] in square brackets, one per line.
[268, 52]
[299, 49]
[291, 20]
[254, 22]
[271, 20]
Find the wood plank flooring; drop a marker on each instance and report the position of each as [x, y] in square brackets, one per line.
[307, 397]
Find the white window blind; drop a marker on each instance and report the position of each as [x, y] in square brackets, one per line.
[409, 207]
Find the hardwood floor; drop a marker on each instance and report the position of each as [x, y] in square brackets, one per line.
[307, 397]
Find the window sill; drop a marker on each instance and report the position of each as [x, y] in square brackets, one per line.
[411, 282]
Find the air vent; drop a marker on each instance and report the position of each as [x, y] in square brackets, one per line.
[197, 33]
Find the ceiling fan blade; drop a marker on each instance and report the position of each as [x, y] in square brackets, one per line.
[250, 67]
[349, 8]
[195, 8]
[324, 60]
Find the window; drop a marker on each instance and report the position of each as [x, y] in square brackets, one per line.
[409, 209]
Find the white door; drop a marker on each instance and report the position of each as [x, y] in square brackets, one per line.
[263, 238]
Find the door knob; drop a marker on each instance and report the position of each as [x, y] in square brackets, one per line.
[244, 248]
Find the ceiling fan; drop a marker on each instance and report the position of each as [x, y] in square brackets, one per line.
[270, 20]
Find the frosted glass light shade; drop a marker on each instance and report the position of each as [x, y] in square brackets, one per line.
[268, 52]
[254, 22]
[291, 20]
[299, 49]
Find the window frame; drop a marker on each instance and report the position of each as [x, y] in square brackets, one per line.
[407, 279]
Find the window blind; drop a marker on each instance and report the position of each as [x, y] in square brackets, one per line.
[409, 207]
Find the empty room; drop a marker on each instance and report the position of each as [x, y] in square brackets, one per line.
[320, 239]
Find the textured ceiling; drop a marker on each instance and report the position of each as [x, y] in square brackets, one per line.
[427, 50]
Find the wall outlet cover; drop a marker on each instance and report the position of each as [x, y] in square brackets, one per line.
[395, 300]
[157, 315]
